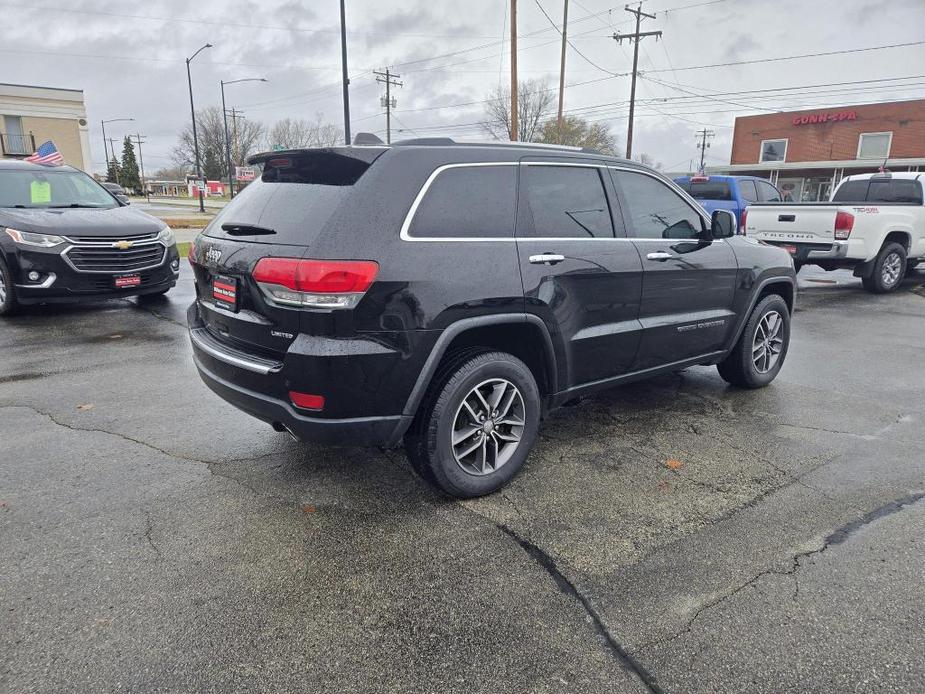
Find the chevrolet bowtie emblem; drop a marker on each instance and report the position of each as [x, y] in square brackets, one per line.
[123, 245]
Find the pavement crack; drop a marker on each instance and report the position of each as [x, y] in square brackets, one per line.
[149, 528]
[620, 654]
[836, 537]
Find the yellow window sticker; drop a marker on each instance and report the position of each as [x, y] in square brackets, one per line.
[40, 192]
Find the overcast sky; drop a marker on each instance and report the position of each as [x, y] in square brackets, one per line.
[128, 57]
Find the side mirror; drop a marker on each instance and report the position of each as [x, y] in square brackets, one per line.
[723, 224]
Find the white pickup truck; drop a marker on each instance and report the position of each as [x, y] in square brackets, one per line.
[875, 223]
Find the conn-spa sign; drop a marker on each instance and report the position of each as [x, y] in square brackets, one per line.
[813, 118]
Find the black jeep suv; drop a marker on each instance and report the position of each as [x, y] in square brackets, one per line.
[448, 295]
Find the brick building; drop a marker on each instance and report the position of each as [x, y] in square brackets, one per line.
[806, 153]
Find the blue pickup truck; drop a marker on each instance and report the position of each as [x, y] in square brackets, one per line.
[729, 192]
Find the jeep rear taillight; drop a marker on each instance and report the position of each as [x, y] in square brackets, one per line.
[844, 223]
[315, 284]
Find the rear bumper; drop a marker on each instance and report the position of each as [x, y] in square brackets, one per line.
[357, 431]
[810, 252]
[260, 385]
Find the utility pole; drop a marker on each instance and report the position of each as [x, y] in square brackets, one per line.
[236, 152]
[514, 85]
[344, 78]
[634, 38]
[703, 145]
[388, 79]
[562, 69]
[141, 162]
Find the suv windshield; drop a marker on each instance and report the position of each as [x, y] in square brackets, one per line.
[52, 188]
[707, 190]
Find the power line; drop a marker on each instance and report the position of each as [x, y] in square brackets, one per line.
[634, 38]
[791, 57]
[389, 80]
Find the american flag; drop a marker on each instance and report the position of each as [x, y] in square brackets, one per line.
[48, 154]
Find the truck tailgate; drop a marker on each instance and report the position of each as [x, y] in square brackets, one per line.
[792, 223]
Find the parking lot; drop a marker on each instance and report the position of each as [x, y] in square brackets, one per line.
[674, 535]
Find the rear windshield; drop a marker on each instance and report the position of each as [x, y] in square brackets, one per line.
[30, 188]
[295, 196]
[880, 190]
[707, 190]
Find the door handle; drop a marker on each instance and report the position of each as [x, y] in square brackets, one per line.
[546, 259]
[661, 256]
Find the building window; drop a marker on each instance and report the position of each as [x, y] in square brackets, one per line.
[13, 139]
[874, 145]
[773, 150]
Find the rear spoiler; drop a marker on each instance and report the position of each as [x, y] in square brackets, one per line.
[365, 154]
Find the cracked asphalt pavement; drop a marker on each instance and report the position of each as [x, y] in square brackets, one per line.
[675, 535]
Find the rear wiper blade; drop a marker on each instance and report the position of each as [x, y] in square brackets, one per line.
[246, 230]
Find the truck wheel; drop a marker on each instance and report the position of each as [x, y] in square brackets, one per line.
[476, 428]
[759, 354]
[8, 303]
[889, 269]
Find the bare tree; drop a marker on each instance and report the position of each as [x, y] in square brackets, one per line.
[244, 134]
[578, 132]
[290, 133]
[534, 103]
[648, 160]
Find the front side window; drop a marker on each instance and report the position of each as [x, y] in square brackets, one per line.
[51, 188]
[874, 145]
[564, 201]
[468, 202]
[773, 150]
[767, 192]
[748, 191]
[655, 211]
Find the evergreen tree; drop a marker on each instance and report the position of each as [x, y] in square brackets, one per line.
[113, 170]
[129, 173]
[212, 164]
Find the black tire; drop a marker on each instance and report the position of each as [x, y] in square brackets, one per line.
[739, 368]
[429, 442]
[888, 271]
[8, 303]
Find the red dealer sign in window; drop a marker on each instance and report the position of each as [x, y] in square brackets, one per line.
[824, 117]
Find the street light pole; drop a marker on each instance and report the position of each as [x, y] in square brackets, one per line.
[105, 150]
[344, 78]
[225, 120]
[200, 183]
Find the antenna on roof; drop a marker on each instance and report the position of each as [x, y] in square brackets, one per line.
[883, 168]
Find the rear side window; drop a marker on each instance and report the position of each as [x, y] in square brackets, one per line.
[563, 201]
[655, 211]
[748, 191]
[468, 202]
[767, 192]
[707, 190]
[895, 190]
[852, 191]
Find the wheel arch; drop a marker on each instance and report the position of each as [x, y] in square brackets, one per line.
[521, 334]
[781, 285]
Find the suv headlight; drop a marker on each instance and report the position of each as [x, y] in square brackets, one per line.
[27, 238]
[166, 236]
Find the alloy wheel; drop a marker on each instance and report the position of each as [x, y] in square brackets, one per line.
[2, 289]
[769, 342]
[488, 426]
[891, 269]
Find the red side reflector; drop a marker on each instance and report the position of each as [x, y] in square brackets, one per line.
[317, 276]
[306, 401]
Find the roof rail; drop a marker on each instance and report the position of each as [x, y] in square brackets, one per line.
[446, 141]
